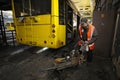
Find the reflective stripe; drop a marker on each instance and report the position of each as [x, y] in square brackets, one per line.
[91, 28]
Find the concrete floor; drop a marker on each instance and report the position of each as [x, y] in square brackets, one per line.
[28, 66]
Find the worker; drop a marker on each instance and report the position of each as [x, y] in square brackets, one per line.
[88, 35]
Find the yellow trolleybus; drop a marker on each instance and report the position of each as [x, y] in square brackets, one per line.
[44, 23]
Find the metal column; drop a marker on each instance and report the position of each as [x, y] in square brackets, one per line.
[3, 40]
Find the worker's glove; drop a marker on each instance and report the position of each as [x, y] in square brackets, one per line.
[81, 42]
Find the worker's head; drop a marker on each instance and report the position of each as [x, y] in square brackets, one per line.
[84, 22]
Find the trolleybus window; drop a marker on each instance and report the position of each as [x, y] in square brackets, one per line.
[62, 12]
[32, 7]
[41, 7]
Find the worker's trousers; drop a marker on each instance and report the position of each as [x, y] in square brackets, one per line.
[89, 56]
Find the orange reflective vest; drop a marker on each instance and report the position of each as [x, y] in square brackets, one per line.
[89, 35]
